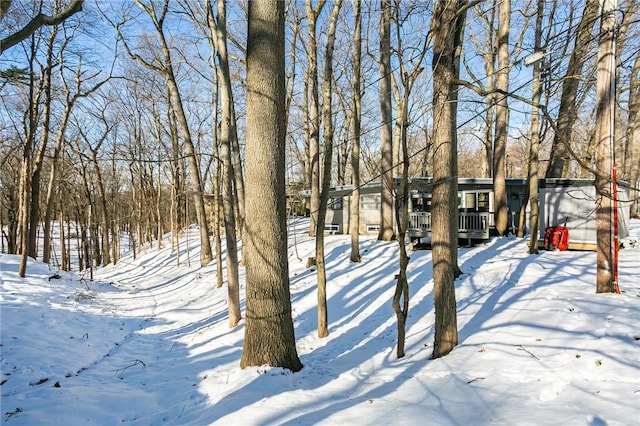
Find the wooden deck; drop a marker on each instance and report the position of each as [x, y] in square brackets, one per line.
[470, 225]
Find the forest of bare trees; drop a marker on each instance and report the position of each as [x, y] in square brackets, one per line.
[137, 119]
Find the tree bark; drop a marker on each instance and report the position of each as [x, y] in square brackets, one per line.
[227, 134]
[605, 98]
[327, 133]
[269, 335]
[38, 160]
[386, 127]
[444, 249]
[534, 148]
[502, 119]
[313, 113]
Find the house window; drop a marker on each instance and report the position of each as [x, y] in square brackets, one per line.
[335, 203]
[483, 202]
[421, 203]
[373, 228]
[332, 228]
[370, 202]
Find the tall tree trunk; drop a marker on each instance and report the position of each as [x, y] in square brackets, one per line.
[37, 162]
[486, 12]
[23, 220]
[502, 119]
[605, 98]
[407, 78]
[534, 148]
[226, 99]
[386, 127]
[355, 144]
[568, 107]
[227, 135]
[444, 23]
[25, 171]
[400, 300]
[327, 132]
[314, 113]
[269, 336]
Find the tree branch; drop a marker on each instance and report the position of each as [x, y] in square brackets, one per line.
[38, 21]
[545, 113]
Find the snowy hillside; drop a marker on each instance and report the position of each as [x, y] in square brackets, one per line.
[148, 343]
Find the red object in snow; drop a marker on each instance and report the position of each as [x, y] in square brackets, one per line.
[556, 238]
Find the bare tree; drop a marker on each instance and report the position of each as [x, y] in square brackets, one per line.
[69, 102]
[386, 127]
[408, 76]
[502, 119]
[568, 107]
[218, 28]
[313, 109]
[105, 217]
[446, 26]
[355, 144]
[487, 49]
[269, 336]
[165, 68]
[327, 133]
[534, 146]
[30, 119]
[39, 154]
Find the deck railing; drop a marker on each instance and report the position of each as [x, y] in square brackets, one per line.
[470, 224]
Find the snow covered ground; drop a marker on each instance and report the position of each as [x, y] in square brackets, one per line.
[148, 343]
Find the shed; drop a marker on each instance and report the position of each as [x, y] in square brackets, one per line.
[574, 200]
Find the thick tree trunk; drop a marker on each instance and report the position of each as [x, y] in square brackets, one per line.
[269, 336]
[605, 97]
[38, 161]
[534, 148]
[502, 119]
[444, 248]
[386, 127]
